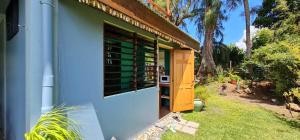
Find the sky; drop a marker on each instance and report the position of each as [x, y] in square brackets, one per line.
[234, 26]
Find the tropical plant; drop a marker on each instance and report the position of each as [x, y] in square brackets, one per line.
[210, 15]
[247, 21]
[55, 125]
[233, 75]
[220, 74]
[201, 93]
[208, 21]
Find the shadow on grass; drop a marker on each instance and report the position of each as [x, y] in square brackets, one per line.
[186, 112]
[291, 122]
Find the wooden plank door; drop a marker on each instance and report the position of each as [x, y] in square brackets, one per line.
[183, 88]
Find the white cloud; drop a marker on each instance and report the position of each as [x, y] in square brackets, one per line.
[242, 42]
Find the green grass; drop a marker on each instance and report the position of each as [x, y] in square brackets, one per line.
[233, 120]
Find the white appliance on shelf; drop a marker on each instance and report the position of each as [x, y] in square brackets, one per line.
[164, 79]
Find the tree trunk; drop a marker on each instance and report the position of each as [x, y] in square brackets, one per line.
[207, 63]
[248, 36]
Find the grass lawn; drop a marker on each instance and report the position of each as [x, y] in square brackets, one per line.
[226, 120]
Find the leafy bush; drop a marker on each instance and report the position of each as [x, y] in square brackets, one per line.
[233, 75]
[296, 93]
[262, 38]
[223, 54]
[55, 125]
[279, 64]
[292, 96]
[236, 55]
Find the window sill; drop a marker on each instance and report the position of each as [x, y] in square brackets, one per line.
[137, 92]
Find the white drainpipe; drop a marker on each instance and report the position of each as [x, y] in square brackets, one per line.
[47, 39]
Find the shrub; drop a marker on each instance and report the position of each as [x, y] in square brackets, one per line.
[236, 55]
[296, 93]
[262, 38]
[278, 63]
[233, 75]
[223, 54]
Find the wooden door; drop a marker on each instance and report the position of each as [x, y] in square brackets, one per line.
[183, 88]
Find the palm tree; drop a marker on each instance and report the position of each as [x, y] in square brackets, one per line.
[211, 14]
[247, 12]
[233, 4]
[247, 20]
[209, 23]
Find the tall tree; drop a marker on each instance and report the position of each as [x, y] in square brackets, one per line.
[274, 11]
[211, 14]
[265, 15]
[248, 35]
[234, 4]
[178, 10]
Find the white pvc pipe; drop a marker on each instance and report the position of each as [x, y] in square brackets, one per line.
[47, 39]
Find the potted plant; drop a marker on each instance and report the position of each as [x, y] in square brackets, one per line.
[234, 78]
[198, 103]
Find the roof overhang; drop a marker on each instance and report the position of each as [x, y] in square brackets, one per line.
[139, 15]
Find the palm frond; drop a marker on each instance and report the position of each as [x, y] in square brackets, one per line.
[55, 125]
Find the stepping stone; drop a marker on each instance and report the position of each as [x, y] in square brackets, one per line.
[188, 130]
[193, 124]
[182, 122]
[162, 124]
[178, 126]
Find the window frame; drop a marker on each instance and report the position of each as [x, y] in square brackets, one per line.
[135, 41]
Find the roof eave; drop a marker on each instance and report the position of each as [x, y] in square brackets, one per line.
[145, 19]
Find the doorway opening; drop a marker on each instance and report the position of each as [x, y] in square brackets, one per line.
[176, 80]
[165, 92]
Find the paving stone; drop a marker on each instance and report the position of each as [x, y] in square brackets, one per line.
[162, 123]
[188, 130]
[193, 124]
[155, 131]
[182, 121]
[178, 126]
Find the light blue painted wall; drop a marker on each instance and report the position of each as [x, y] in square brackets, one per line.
[34, 53]
[80, 55]
[15, 74]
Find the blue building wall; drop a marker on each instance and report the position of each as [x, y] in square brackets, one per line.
[15, 81]
[80, 72]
